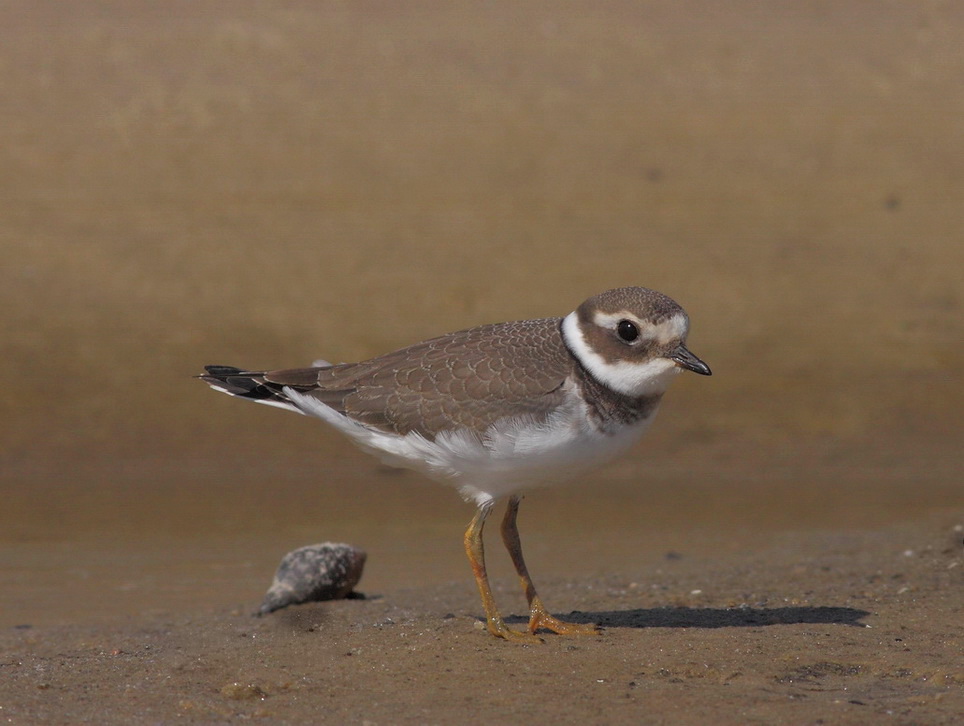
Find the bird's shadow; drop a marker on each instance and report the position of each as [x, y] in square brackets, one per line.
[743, 617]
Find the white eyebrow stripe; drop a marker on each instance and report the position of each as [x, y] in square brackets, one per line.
[670, 329]
[609, 320]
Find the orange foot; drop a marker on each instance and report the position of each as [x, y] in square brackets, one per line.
[498, 628]
[542, 619]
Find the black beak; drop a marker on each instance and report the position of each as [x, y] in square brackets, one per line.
[684, 359]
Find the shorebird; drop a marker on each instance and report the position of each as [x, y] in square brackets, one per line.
[497, 409]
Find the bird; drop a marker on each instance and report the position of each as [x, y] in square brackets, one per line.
[498, 409]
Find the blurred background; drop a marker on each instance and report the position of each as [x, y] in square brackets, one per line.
[266, 183]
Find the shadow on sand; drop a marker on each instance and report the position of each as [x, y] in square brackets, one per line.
[746, 617]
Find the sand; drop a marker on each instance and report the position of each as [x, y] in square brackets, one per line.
[718, 603]
[816, 628]
[263, 184]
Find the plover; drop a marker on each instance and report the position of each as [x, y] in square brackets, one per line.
[497, 409]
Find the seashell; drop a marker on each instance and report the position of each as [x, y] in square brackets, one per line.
[326, 571]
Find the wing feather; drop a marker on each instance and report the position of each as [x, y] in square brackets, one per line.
[467, 379]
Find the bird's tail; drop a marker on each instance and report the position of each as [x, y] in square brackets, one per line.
[246, 384]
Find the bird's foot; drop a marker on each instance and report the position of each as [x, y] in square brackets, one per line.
[498, 628]
[542, 619]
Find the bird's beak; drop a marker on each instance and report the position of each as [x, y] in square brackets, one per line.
[684, 359]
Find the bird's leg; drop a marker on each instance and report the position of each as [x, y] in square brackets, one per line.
[539, 617]
[476, 552]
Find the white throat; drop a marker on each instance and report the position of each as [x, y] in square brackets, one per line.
[646, 378]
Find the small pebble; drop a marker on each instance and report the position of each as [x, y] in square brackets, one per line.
[327, 571]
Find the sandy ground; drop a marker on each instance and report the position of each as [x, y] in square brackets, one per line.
[268, 183]
[850, 628]
[718, 602]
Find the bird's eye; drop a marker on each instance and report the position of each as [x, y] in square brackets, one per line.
[627, 330]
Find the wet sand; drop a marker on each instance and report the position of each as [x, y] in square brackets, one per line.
[842, 604]
[276, 182]
[862, 627]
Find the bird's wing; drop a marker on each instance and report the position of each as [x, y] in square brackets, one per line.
[467, 379]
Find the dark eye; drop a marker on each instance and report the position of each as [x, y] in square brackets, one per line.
[627, 331]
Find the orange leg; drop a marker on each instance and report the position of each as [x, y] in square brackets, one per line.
[476, 554]
[539, 617]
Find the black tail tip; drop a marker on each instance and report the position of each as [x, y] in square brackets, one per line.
[218, 371]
